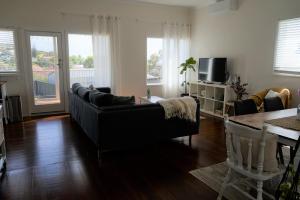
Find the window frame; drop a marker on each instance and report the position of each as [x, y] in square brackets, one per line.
[276, 72]
[16, 44]
[161, 79]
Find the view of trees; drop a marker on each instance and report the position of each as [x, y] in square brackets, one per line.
[42, 58]
[7, 57]
[87, 62]
[43, 64]
[154, 64]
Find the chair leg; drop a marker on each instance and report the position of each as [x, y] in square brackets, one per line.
[190, 140]
[259, 190]
[279, 149]
[226, 180]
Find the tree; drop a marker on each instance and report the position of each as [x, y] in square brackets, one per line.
[76, 60]
[88, 62]
[153, 65]
[34, 52]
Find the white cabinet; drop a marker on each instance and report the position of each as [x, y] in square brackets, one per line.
[212, 97]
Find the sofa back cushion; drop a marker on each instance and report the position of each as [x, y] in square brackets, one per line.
[83, 93]
[123, 100]
[100, 99]
[104, 89]
[75, 87]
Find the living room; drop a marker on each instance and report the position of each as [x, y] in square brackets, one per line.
[135, 49]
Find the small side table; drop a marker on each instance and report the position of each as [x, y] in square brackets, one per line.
[152, 99]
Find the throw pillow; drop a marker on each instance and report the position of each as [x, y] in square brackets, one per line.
[75, 87]
[271, 94]
[123, 100]
[270, 160]
[100, 99]
[91, 87]
[273, 104]
[84, 93]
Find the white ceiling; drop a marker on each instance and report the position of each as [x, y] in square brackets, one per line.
[186, 3]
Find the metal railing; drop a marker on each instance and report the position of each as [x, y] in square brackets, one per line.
[43, 90]
[84, 76]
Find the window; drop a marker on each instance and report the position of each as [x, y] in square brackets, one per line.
[287, 52]
[8, 61]
[154, 60]
[81, 64]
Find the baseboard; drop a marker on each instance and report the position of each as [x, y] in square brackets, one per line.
[45, 114]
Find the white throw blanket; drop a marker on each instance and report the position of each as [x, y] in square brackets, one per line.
[183, 107]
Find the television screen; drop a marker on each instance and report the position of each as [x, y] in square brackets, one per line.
[212, 69]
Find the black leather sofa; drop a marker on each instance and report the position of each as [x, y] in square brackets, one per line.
[121, 126]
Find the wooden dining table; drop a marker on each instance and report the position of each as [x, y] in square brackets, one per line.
[257, 120]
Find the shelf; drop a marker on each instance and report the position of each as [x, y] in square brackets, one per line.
[211, 113]
[212, 97]
[210, 84]
[202, 97]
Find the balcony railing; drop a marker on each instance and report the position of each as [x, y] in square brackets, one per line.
[85, 76]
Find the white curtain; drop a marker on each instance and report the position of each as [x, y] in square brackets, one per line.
[176, 49]
[106, 52]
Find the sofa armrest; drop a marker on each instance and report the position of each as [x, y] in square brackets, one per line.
[129, 124]
[104, 89]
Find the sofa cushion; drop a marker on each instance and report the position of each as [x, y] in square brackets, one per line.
[271, 94]
[123, 100]
[84, 92]
[100, 99]
[104, 89]
[75, 87]
[273, 104]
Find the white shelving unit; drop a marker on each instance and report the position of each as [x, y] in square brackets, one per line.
[212, 97]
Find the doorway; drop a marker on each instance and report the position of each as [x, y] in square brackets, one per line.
[45, 72]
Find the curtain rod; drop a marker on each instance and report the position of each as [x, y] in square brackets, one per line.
[128, 18]
[88, 15]
[156, 21]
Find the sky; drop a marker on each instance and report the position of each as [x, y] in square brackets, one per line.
[78, 44]
[82, 44]
[153, 46]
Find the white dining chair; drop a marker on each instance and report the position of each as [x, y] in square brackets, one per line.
[239, 164]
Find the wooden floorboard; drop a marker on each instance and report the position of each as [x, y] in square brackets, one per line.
[50, 158]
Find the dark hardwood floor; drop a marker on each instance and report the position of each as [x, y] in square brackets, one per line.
[50, 158]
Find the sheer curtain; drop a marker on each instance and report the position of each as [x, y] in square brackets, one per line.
[106, 51]
[176, 49]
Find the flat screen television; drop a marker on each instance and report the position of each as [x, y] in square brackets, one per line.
[212, 70]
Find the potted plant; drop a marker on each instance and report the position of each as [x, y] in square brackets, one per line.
[239, 88]
[184, 67]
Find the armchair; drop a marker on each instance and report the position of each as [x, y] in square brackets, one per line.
[259, 97]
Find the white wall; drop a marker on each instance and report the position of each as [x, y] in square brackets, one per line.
[138, 20]
[246, 36]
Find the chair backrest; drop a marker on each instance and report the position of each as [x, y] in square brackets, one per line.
[235, 134]
[244, 107]
[273, 104]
